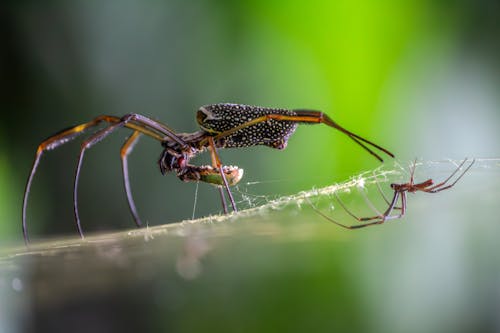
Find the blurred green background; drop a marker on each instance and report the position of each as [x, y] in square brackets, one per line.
[420, 78]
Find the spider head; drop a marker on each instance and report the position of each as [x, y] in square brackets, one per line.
[397, 187]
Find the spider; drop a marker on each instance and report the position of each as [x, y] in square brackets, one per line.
[399, 190]
[223, 125]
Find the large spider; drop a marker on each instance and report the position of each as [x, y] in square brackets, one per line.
[222, 126]
[400, 190]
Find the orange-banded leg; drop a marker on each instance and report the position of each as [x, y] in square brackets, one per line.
[139, 123]
[126, 149]
[311, 117]
[216, 163]
[53, 142]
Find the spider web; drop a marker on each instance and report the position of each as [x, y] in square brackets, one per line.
[260, 204]
[363, 189]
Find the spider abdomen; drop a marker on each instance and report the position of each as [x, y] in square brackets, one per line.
[219, 118]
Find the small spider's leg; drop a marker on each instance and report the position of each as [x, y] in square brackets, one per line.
[350, 227]
[369, 203]
[311, 117]
[383, 195]
[387, 214]
[381, 192]
[360, 219]
[218, 164]
[439, 188]
[374, 220]
[412, 171]
[335, 222]
[126, 149]
[403, 204]
[450, 176]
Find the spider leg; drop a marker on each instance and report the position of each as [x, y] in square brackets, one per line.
[381, 217]
[88, 143]
[369, 203]
[439, 187]
[449, 177]
[370, 221]
[383, 195]
[310, 117]
[145, 123]
[350, 227]
[216, 162]
[359, 219]
[381, 192]
[134, 121]
[139, 123]
[412, 171]
[219, 187]
[126, 149]
[392, 206]
[51, 143]
[403, 204]
[222, 199]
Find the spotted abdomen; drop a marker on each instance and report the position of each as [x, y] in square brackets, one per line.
[217, 119]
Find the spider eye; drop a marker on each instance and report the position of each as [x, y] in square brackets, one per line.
[393, 186]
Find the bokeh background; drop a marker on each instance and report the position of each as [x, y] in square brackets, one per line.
[421, 78]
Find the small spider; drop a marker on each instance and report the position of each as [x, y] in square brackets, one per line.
[399, 190]
[222, 126]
